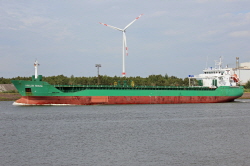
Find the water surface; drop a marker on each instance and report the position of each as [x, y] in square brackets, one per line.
[141, 135]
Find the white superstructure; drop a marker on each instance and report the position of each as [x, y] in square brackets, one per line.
[215, 77]
[243, 71]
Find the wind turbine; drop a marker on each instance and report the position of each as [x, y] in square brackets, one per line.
[124, 42]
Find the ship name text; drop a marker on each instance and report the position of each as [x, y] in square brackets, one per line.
[34, 85]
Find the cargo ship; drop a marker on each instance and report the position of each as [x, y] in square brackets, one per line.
[215, 85]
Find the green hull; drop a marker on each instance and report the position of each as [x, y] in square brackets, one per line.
[40, 92]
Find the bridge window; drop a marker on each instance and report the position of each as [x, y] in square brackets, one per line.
[27, 89]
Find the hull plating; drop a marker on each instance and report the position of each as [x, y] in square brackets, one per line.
[93, 100]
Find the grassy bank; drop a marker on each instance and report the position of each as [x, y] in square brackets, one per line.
[246, 95]
[9, 96]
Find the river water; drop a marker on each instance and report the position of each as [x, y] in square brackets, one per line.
[127, 135]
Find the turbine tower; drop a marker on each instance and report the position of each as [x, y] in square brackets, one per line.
[124, 42]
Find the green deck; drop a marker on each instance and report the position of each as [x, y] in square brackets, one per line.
[36, 87]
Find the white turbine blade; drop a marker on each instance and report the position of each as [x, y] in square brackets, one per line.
[125, 43]
[132, 21]
[111, 26]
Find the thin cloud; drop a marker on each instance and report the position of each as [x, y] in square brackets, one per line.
[173, 33]
[208, 1]
[158, 14]
[36, 21]
[240, 34]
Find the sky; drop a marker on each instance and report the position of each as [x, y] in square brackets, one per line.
[173, 37]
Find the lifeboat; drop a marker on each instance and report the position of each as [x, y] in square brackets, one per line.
[235, 78]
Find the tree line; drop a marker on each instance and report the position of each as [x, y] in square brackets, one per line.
[151, 80]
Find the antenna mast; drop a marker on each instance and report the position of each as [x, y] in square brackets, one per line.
[219, 64]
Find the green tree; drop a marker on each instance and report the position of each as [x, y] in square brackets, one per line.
[247, 85]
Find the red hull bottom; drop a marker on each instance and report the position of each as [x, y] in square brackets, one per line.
[93, 100]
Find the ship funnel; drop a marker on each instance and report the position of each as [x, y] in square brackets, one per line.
[36, 64]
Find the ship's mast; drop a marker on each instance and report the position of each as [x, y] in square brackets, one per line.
[219, 64]
[36, 64]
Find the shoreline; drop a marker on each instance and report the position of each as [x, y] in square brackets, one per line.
[15, 96]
